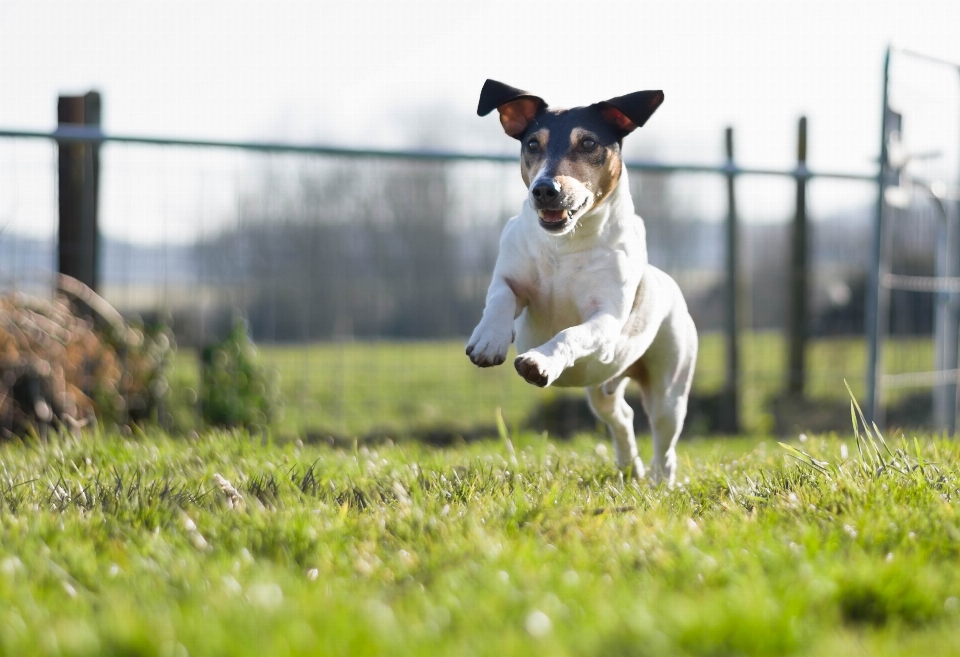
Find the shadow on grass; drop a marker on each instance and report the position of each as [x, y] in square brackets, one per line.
[565, 416]
[562, 417]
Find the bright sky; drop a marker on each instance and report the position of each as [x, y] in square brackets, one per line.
[401, 72]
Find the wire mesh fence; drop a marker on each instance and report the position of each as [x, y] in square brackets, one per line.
[360, 278]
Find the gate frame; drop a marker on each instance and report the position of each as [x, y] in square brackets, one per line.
[946, 374]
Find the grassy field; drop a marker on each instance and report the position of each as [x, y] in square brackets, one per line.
[357, 388]
[129, 546]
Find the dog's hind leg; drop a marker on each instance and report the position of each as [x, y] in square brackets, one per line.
[607, 403]
[665, 373]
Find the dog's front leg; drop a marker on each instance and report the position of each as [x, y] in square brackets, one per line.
[597, 337]
[491, 339]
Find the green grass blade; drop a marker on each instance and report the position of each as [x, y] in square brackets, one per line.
[872, 448]
[882, 441]
[804, 458]
[505, 438]
[856, 431]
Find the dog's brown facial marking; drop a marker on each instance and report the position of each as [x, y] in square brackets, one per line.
[607, 174]
[532, 155]
[596, 167]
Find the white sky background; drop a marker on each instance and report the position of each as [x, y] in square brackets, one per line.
[402, 73]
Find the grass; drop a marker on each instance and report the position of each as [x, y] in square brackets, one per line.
[357, 388]
[123, 546]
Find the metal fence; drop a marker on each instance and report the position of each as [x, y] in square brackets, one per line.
[361, 272]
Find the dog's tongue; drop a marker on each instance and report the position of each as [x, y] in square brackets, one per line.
[553, 216]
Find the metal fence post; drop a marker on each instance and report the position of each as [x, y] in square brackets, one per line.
[797, 312]
[78, 180]
[876, 311]
[953, 221]
[946, 318]
[730, 413]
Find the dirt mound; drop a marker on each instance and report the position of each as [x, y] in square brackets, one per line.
[70, 360]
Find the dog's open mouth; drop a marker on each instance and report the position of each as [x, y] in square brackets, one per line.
[555, 220]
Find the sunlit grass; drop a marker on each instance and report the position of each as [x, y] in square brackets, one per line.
[116, 545]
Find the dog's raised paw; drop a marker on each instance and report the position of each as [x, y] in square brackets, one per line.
[530, 367]
[530, 370]
[482, 358]
[488, 350]
[492, 361]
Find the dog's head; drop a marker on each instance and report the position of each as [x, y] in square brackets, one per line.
[570, 158]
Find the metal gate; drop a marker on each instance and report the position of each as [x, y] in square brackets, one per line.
[917, 225]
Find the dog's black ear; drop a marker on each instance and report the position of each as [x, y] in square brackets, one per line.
[627, 113]
[517, 108]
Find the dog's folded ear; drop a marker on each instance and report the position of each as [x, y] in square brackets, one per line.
[517, 108]
[627, 113]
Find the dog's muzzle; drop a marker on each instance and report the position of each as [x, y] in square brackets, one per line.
[553, 206]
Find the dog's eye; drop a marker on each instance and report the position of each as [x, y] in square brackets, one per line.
[588, 144]
[533, 145]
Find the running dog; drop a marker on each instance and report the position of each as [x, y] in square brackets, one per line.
[572, 283]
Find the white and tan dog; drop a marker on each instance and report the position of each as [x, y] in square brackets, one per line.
[572, 283]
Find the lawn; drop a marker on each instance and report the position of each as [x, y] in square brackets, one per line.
[359, 388]
[116, 545]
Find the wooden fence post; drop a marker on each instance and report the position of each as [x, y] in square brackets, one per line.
[730, 409]
[797, 312]
[79, 173]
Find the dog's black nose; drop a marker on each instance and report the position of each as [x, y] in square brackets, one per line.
[546, 191]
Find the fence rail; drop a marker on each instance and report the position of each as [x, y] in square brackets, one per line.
[94, 136]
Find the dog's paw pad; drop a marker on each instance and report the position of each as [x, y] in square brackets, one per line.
[532, 371]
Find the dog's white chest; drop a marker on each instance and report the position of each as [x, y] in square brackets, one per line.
[559, 282]
[564, 289]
